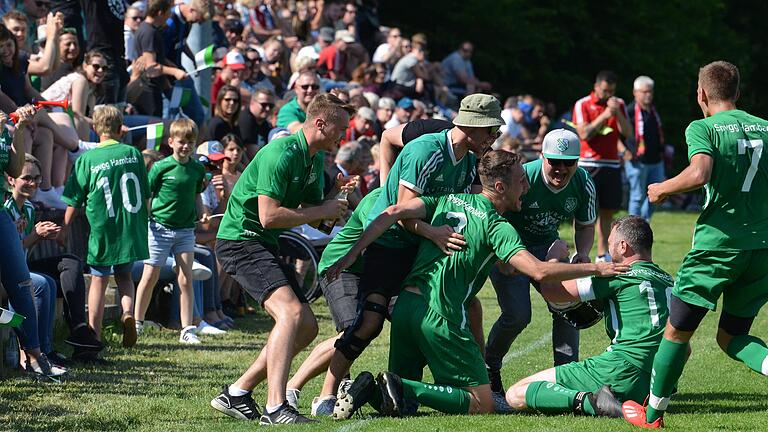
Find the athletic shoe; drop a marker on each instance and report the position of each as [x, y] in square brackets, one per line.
[344, 386]
[605, 403]
[58, 360]
[49, 199]
[500, 404]
[129, 331]
[43, 368]
[206, 329]
[87, 356]
[292, 396]
[286, 414]
[199, 271]
[494, 376]
[634, 413]
[323, 406]
[188, 336]
[239, 407]
[391, 387]
[351, 399]
[84, 337]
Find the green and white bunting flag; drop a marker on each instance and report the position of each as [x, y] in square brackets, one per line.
[154, 136]
[10, 319]
[180, 97]
[204, 58]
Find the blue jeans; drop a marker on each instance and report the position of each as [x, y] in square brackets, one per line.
[514, 296]
[45, 304]
[15, 277]
[211, 295]
[639, 176]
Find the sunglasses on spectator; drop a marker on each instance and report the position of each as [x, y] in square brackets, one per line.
[267, 105]
[97, 67]
[232, 100]
[562, 162]
[137, 18]
[30, 179]
[306, 87]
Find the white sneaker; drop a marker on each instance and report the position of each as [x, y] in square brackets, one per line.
[50, 199]
[206, 329]
[188, 336]
[82, 147]
[139, 327]
[199, 271]
[323, 406]
[292, 396]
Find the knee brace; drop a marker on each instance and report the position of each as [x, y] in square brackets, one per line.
[735, 326]
[685, 316]
[352, 346]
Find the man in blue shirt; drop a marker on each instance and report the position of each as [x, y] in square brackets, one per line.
[458, 73]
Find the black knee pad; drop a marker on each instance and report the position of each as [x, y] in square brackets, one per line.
[685, 316]
[352, 346]
[735, 326]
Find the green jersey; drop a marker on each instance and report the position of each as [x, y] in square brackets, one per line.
[25, 213]
[289, 113]
[449, 281]
[344, 239]
[111, 180]
[635, 310]
[6, 142]
[545, 208]
[282, 170]
[735, 214]
[174, 187]
[427, 166]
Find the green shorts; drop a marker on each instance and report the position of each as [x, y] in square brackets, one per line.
[420, 337]
[626, 380]
[741, 277]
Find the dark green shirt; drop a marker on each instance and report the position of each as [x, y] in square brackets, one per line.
[174, 187]
[290, 113]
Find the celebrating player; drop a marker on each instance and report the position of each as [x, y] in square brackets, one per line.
[729, 255]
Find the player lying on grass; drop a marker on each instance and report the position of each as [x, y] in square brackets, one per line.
[429, 321]
[635, 307]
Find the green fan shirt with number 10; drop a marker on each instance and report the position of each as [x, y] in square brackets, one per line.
[111, 180]
[735, 215]
[448, 281]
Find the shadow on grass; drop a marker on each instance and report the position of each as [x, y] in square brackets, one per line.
[719, 402]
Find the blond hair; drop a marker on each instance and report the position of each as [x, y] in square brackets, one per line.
[327, 106]
[107, 121]
[202, 6]
[184, 129]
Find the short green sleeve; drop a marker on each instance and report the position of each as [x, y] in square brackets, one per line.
[419, 161]
[75, 191]
[504, 239]
[430, 204]
[274, 176]
[155, 175]
[697, 138]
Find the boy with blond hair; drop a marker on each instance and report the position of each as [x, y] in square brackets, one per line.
[111, 181]
[174, 185]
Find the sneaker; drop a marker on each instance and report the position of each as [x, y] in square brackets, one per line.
[494, 376]
[344, 386]
[139, 328]
[88, 356]
[58, 360]
[500, 404]
[605, 403]
[206, 329]
[129, 331]
[49, 199]
[82, 147]
[355, 396]
[391, 388]
[188, 336]
[239, 407]
[286, 414]
[199, 271]
[323, 406]
[634, 413]
[84, 337]
[292, 396]
[42, 367]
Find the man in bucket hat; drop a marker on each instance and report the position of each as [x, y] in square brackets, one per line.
[560, 191]
[433, 164]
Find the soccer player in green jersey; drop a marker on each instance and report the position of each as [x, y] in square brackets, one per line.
[560, 191]
[111, 180]
[432, 164]
[729, 254]
[430, 319]
[285, 174]
[175, 184]
[635, 307]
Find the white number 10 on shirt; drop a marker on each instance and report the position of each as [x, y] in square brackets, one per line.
[131, 208]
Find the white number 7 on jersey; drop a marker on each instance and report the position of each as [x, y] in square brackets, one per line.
[757, 145]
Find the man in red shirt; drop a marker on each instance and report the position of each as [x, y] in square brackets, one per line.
[332, 62]
[601, 121]
[361, 124]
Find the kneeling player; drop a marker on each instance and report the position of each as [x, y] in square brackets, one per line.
[430, 320]
[635, 306]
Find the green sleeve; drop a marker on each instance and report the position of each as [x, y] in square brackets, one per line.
[274, 175]
[591, 288]
[504, 239]
[586, 213]
[314, 192]
[75, 191]
[154, 183]
[418, 161]
[430, 204]
[697, 138]
[200, 183]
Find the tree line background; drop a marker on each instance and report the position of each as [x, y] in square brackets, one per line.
[553, 49]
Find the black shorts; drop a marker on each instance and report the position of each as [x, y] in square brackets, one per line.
[610, 193]
[385, 269]
[342, 298]
[256, 268]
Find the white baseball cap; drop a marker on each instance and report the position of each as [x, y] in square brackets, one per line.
[561, 144]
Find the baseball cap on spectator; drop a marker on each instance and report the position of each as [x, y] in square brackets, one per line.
[366, 113]
[234, 60]
[344, 35]
[405, 103]
[213, 150]
[479, 110]
[276, 133]
[326, 34]
[561, 144]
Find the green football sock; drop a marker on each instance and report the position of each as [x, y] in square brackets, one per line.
[446, 399]
[751, 351]
[667, 367]
[551, 398]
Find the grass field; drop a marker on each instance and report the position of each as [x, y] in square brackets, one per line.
[161, 386]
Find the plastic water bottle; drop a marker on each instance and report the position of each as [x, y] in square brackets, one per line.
[11, 355]
[326, 225]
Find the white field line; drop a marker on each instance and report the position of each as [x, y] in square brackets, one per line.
[538, 343]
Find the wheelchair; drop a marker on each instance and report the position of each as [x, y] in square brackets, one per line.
[301, 248]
